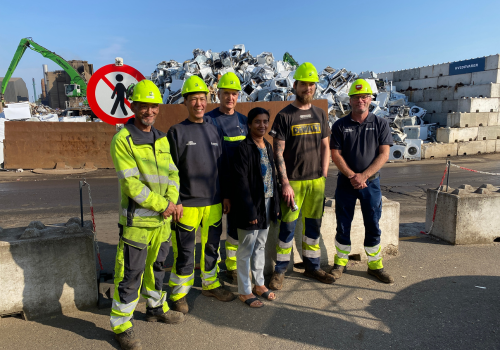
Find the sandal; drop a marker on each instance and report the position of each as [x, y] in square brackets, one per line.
[250, 301]
[264, 295]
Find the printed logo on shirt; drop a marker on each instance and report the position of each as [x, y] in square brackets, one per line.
[348, 130]
[215, 144]
[272, 132]
[305, 116]
[306, 129]
[190, 143]
[370, 128]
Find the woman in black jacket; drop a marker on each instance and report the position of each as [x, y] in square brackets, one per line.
[255, 203]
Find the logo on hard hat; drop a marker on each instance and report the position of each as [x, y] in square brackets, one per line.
[359, 87]
[151, 93]
[232, 82]
[310, 74]
[195, 84]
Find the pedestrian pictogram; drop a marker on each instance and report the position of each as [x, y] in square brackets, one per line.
[106, 93]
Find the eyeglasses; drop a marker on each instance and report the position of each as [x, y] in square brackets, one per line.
[361, 97]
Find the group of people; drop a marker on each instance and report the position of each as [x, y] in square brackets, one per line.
[220, 163]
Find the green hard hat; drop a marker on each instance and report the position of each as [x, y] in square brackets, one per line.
[145, 91]
[194, 84]
[229, 81]
[360, 86]
[306, 72]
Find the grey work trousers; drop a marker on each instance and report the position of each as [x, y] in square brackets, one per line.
[251, 256]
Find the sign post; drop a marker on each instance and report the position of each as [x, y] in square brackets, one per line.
[106, 93]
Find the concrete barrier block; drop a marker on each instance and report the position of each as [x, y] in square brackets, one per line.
[401, 85]
[389, 224]
[475, 104]
[439, 118]
[452, 80]
[464, 218]
[491, 146]
[449, 106]
[439, 94]
[51, 274]
[465, 120]
[424, 83]
[439, 150]
[472, 147]
[450, 135]
[435, 70]
[415, 96]
[485, 77]
[488, 132]
[387, 75]
[497, 146]
[483, 90]
[493, 118]
[406, 75]
[432, 106]
[492, 62]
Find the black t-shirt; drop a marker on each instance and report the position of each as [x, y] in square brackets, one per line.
[302, 131]
[359, 143]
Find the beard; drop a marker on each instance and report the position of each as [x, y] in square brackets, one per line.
[146, 123]
[305, 99]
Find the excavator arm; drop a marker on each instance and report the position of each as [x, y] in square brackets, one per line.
[25, 43]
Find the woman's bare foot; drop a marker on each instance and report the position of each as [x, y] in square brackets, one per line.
[255, 303]
[259, 290]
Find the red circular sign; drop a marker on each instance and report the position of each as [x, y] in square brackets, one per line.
[106, 93]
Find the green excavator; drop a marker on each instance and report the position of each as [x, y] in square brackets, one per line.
[77, 86]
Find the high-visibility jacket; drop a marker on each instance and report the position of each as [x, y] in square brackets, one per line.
[148, 177]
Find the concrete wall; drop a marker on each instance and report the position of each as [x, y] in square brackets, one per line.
[389, 224]
[51, 274]
[463, 216]
[42, 145]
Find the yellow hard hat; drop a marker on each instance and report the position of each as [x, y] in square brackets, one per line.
[145, 91]
[360, 86]
[194, 84]
[306, 72]
[229, 81]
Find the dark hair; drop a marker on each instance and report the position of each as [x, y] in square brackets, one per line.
[254, 112]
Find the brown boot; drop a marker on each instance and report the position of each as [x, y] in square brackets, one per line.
[232, 275]
[169, 317]
[276, 282]
[381, 275]
[128, 341]
[337, 271]
[180, 305]
[219, 293]
[320, 275]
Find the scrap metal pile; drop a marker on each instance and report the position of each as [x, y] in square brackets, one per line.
[263, 78]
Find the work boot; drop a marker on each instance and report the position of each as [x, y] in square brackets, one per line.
[219, 293]
[276, 282]
[128, 341]
[232, 275]
[170, 317]
[320, 275]
[180, 305]
[337, 271]
[381, 275]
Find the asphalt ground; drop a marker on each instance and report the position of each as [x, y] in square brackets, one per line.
[435, 303]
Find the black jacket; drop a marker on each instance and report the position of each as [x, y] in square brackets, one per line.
[247, 198]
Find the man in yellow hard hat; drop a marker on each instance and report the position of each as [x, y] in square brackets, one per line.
[196, 150]
[233, 127]
[360, 146]
[301, 152]
[149, 185]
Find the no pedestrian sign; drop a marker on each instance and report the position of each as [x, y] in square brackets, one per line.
[106, 93]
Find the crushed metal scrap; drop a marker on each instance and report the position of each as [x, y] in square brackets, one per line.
[263, 78]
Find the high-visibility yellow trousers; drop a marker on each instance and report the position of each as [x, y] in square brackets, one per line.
[184, 243]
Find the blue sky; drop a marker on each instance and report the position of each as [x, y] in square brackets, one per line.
[356, 35]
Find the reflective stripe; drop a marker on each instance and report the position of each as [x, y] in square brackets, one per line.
[181, 289]
[234, 138]
[146, 212]
[209, 278]
[152, 293]
[311, 253]
[232, 240]
[142, 196]
[155, 301]
[124, 308]
[116, 321]
[283, 257]
[342, 250]
[123, 174]
[180, 280]
[373, 253]
[284, 245]
[310, 241]
[173, 183]
[154, 179]
[231, 253]
[172, 167]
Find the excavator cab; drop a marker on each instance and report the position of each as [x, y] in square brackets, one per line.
[72, 90]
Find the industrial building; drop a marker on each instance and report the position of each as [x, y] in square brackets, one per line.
[16, 90]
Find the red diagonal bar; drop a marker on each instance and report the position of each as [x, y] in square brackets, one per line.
[112, 87]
